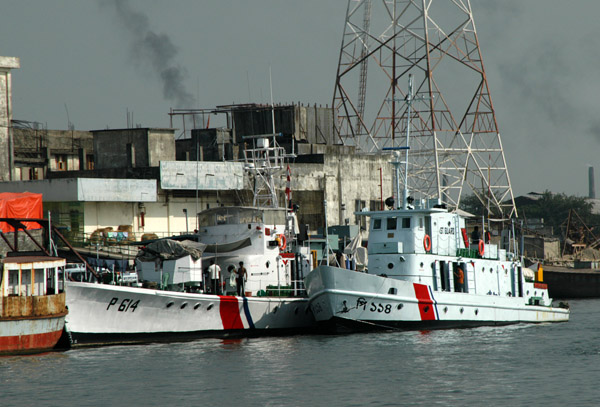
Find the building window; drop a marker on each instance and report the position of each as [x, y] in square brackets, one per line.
[358, 207]
[61, 163]
[376, 224]
[33, 173]
[375, 205]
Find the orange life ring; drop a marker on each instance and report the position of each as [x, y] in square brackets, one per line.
[488, 237]
[427, 243]
[481, 247]
[282, 242]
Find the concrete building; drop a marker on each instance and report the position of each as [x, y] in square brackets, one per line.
[38, 150]
[142, 181]
[6, 143]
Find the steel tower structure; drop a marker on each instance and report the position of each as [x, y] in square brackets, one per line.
[455, 146]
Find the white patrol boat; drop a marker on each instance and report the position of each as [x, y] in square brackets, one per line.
[181, 301]
[424, 273]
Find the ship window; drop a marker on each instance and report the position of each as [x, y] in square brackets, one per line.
[405, 223]
[391, 223]
[376, 224]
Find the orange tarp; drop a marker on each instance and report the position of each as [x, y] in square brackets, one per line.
[20, 205]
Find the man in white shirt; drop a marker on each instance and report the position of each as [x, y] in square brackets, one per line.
[215, 277]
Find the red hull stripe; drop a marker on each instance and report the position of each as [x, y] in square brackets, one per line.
[426, 304]
[29, 343]
[230, 313]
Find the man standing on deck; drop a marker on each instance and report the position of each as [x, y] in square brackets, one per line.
[459, 279]
[241, 279]
[215, 277]
[475, 237]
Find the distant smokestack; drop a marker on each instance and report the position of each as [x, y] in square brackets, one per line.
[592, 186]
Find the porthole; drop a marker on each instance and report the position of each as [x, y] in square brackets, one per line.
[390, 265]
[400, 306]
[426, 309]
[462, 310]
[491, 270]
[421, 264]
[209, 307]
[483, 269]
[268, 264]
[183, 305]
[170, 304]
[393, 291]
[445, 309]
[476, 312]
[197, 306]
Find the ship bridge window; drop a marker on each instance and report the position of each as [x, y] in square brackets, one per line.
[405, 223]
[391, 223]
[376, 224]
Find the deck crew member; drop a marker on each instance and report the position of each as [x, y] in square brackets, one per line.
[475, 237]
[241, 279]
[215, 277]
[459, 280]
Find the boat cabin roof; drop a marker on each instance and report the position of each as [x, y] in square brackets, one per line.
[401, 212]
[234, 215]
[32, 262]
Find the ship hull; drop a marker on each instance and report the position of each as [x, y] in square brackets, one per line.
[105, 314]
[345, 300]
[30, 335]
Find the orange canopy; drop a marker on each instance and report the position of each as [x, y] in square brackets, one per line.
[22, 205]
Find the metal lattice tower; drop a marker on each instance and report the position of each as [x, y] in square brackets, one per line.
[455, 146]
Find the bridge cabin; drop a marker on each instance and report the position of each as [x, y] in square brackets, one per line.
[428, 246]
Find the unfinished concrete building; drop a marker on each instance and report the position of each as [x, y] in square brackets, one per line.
[151, 181]
[6, 144]
[38, 150]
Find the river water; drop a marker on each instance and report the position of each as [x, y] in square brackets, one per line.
[518, 365]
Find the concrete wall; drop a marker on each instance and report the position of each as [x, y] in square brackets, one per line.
[161, 146]
[343, 178]
[164, 217]
[87, 189]
[148, 147]
[192, 175]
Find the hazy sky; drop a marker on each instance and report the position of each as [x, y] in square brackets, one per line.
[86, 57]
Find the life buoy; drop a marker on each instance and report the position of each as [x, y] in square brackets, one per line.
[488, 237]
[427, 243]
[282, 242]
[481, 247]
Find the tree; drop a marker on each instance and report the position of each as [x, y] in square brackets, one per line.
[553, 208]
[474, 206]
